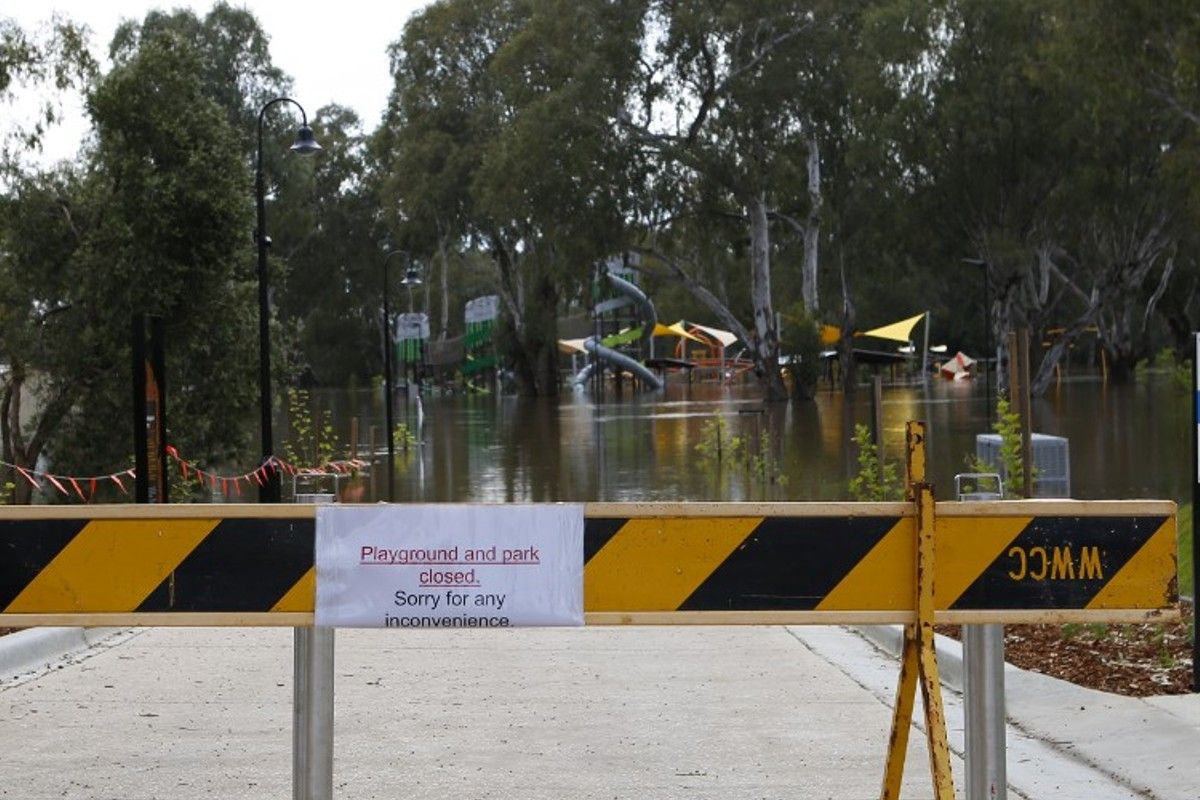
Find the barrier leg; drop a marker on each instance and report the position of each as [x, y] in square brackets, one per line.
[312, 714]
[919, 659]
[931, 686]
[902, 711]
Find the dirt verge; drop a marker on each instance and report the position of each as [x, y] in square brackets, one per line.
[1133, 660]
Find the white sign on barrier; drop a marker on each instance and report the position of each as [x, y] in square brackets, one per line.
[449, 566]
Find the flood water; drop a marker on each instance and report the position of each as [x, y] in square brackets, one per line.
[1131, 441]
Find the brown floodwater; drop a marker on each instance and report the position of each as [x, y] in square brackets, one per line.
[1131, 441]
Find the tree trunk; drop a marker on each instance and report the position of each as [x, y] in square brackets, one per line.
[845, 344]
[533, 338]
[1046, 370]
[544, 330]
[765, 347]
[16, 451]
[444, 322]
[812, 230]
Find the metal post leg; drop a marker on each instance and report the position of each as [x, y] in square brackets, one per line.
[983, 705]
[312, 714]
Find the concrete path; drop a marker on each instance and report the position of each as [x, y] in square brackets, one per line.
[645, 713]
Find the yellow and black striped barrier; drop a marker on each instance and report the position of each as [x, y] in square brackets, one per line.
[1012, 561]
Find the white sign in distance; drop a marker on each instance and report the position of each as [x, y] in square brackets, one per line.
[449, 566]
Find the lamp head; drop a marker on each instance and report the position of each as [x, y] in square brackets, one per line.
[305, 141]
[412, 276]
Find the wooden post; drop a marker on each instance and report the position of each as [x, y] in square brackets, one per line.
[877, 420]
[149, 411]
[373, 450]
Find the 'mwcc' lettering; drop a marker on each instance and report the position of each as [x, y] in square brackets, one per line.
[1056, 564]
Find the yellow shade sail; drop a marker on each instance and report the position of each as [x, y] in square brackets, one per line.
[724, 337]
[571, 346]
[898, 331]
[676, 330]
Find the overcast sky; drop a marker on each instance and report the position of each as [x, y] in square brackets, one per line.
[334, 51]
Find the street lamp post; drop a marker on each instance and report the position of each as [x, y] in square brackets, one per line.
[305, 143]
[412, 277]
[387, 370]
[987, 330]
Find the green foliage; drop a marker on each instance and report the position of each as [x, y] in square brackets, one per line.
[717, 446]
[404, 437]
[55, 57]
[801, 339]
[312, 441]
[877, 479]
[505, 140]
[329, 203]
[180, 490]
[1166, 363]
[721, 452]
[1011, 466]
[1090, 630]
[762, 465]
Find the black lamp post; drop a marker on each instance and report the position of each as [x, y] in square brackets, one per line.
[412, 277]
[987, 330]
[304, 144]
[387, 370]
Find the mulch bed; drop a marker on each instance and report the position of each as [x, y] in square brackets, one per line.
[1133, 660]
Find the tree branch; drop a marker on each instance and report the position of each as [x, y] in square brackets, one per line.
[698, 290]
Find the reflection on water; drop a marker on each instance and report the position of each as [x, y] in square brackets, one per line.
[1125, 441]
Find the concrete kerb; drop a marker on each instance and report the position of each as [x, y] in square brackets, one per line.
[1142, 743]
[890, 639]
[35, 649]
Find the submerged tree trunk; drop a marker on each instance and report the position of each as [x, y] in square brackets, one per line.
[444, 321]
[1054, 355]
[812, 230]
[765, 344]
[531, 332]
[845, 344]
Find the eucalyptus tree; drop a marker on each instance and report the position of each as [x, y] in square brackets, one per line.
[718, 115]
[742, 108]
[500, 113]
[441, 114]
[154, 220]
[54, 58]
[1126, 207]
[41, 218]
[330, 231]
[1044, 151]
[169, 240]
[987, 155]
[45, 219]
[233, 62]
